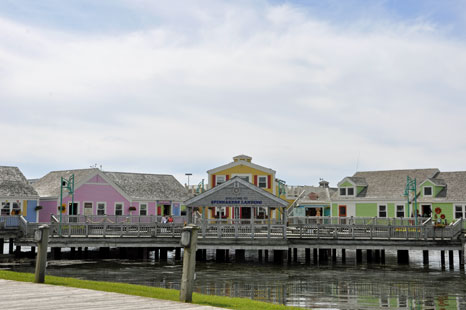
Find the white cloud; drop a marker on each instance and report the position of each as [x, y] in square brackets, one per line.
[300, 95]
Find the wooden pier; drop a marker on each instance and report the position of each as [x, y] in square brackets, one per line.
[324, 234]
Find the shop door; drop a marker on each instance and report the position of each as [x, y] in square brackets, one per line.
[342, 213]
[245, 212]
[73, 210]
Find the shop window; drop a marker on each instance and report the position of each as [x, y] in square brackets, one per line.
[342, 191]
[118, 209]
[400, 211]
[262, 213]
[16, 210]
[220, 179]
[101, 208]
[5, 209]
[88, 208]
[167, 210]
[143, 209]
[382, 211]
[350, 191]
[262, 181]
[427, 191]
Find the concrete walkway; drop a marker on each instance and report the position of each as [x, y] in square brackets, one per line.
[25, 295]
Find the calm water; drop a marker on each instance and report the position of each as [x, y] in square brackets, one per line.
[330, 286]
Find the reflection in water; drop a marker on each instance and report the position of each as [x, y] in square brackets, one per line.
[331, 286]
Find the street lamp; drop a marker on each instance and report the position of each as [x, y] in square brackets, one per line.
[188, 175]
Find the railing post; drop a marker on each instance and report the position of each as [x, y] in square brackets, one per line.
[105, 229]
[204, 228]
[87, 229]
[318, 231]
[252, 229]
[268, 228]
[219, 229]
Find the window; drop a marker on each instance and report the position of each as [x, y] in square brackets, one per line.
[246, 178]
[220, 212]
[350, 191]
[88, 208]
[143, 209]
[101, 208]
[427, 191]
[118, 209]
[220, 179]
[459, 212]
[261, 213]
[382, 211]
[400, 211]
[262, 181]
[5, 209]
[16, 210]
[342, 191]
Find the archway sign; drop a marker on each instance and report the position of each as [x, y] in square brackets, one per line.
[239, 195]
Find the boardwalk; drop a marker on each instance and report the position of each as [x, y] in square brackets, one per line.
[23, 295]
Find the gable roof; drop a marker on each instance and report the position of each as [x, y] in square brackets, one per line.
[233, 188]
[323, 193]
[134, 186]
[143, 186]
[49, 185]
[241, 160]
[454, 189]
[388, 184]
[14, 184]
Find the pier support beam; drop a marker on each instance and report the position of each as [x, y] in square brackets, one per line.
[343, 256]
[358, 256]
[382, 257]
[10, 246]
[334, 255]
[316, 256]
[279, 256]
[450, 259]
[220, 255]
[295, 255]
[425, 257]
[259, 255]
[240, 255]
[307, 254]
[403, 257]
[369, 256]
[56, 253]
[461, 258]
[266, 256]
[163, 254]
[442, 258]
[156, 253]
[2, 243]
[377, 256]
[177, 253]
[289, 255]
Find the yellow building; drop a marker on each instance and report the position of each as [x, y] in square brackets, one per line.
[260, 176]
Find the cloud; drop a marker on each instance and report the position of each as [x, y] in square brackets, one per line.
[300, 94]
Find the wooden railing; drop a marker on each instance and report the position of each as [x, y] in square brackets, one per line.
[312, 228]
[116, 219]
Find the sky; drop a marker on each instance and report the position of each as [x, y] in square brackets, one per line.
[312, 89]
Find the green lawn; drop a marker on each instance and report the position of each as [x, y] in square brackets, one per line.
[146, 291]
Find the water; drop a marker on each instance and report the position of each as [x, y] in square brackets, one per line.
[330, 286]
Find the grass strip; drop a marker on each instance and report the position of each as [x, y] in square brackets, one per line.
[147, 291]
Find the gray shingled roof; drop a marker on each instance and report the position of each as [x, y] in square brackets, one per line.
[455, 189]
[358, 181]
[389, 184]
[437, 182]
[323, 195]
[49, 185]
[140, 186]
[14, 184]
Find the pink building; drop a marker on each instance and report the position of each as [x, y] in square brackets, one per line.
[99, 192]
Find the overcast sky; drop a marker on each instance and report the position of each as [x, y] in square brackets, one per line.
[311, 89]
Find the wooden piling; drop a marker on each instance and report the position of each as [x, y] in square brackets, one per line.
[42, 239]
[307, 254]
[10, 246]
[369, 256]
[442, 258]
[450, 259]
[163, 254]
[315, 255]
[343, 256]
[403, 257]
[334, 255]
[177, 253]
[425, 257]
[266, 256]
[2, 242]
[358, 256]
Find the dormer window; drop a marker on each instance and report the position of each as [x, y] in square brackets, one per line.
[342, 191]
[346, 191]
[350, 191]
[428, 191]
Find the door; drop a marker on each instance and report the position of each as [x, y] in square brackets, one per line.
[342, 213]
[245, 212]
[73, 210]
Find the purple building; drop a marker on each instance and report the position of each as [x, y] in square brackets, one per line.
[99, 192]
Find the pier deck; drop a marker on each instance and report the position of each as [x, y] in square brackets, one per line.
[24, 295]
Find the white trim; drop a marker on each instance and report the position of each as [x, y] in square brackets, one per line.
[92, 207]
[147, 207]
[67, 211]
[97, 207]
[239, 163]
[386, 210]
[396, 209]
[122, 207]
[249, 175]
[431, 191]
[266, 181]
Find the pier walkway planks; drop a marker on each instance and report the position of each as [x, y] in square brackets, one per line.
[24, 295]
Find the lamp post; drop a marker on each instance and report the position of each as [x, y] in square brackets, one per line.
[69, 185]
[188, 175]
